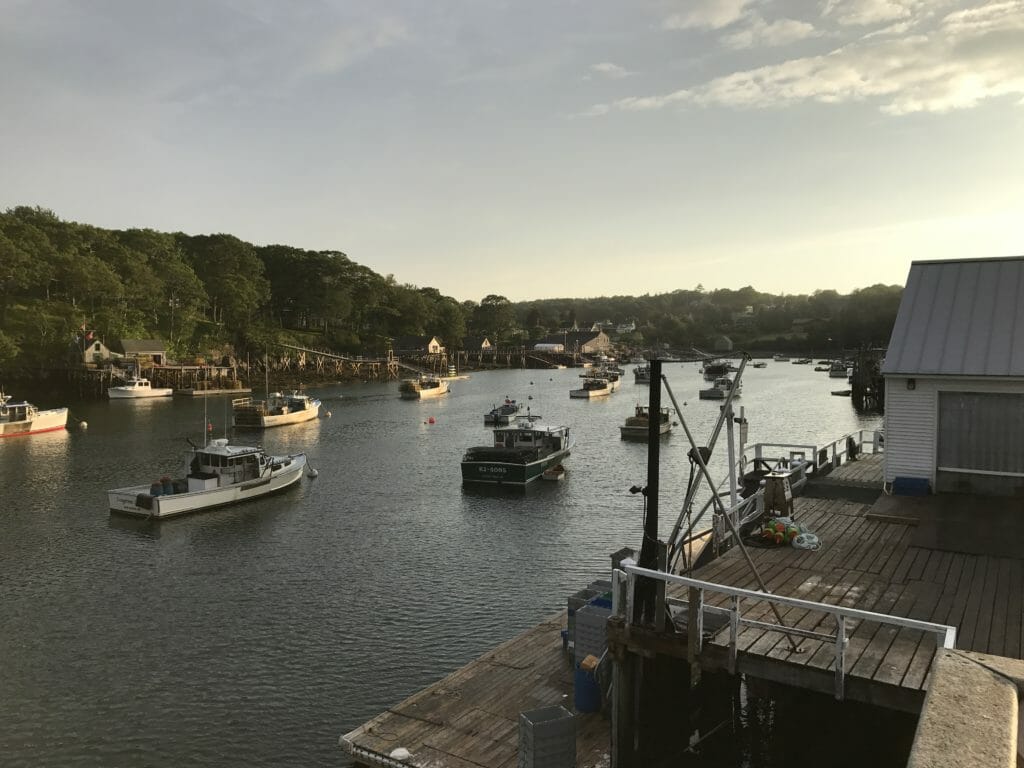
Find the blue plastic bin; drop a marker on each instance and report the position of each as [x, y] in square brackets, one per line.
[586, 691]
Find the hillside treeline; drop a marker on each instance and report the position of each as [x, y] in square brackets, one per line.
[199, 293]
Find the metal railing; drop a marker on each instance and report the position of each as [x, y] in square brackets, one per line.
[625, 579]
[821, 458]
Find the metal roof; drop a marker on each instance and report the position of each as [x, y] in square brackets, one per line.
[142, 346]
[960, 318]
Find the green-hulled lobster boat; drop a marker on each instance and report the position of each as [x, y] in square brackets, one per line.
[520, 454]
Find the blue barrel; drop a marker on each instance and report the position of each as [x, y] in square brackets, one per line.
[586, 691]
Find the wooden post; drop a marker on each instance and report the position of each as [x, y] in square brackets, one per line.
[624, 685]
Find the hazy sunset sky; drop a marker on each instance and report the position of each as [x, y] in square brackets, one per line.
[533, 149]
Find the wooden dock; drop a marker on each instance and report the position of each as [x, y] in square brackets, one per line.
[205, 392]
[892, 557]
[926, 559]
[470, 719]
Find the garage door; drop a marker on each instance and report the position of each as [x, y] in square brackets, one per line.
[981, 443]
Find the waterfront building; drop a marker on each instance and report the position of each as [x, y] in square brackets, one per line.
[144, 352]
[581, 342]
[954, 379]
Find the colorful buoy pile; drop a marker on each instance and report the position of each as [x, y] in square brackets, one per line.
[785, 530]
[781, 530]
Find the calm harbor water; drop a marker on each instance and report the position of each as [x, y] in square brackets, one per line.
[255, 635]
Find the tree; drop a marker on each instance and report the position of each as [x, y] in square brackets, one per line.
[495, 317]
[232, 275]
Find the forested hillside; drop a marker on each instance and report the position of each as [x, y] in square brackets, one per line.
[215, 292]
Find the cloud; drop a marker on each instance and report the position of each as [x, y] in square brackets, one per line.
[760, 33]
[707, 14]
[866, 12]
[972, 55]
[613, 71]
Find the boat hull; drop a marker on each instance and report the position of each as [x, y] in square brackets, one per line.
[138, 501]
[510, 473]
[134, 394]
[245, 421]
[501, 420]
[587, 394]
[51, 420]
[425, 394]
[641, 433]
[712, 394]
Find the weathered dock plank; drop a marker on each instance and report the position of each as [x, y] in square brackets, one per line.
[871, 562]
[470, 719]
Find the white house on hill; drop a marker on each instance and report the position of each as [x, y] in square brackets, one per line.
[954, 379]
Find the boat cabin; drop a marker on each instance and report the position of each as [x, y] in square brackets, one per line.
[13, 412]
[534, 436]
[218, 465]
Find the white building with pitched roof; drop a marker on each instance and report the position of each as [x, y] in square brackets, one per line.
[954, 379]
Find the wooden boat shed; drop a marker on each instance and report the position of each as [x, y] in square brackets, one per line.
[954, 380]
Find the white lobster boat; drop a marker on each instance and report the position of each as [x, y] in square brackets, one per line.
[23, 418]
[276, 411]
[137, 387]
[217, 474]
[592, 387]
[422, 388]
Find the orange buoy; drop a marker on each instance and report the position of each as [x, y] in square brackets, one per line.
[430, 420]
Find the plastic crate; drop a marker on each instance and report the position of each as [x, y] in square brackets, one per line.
[591, 631]
[547, 738]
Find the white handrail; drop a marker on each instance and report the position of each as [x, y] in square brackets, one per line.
[946, 633]
[835, 450]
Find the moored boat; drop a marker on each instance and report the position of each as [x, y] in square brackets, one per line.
[714, 369]
[519, 455]
[23, 418]
[760, 364]
[276, 411]
[780, 358]
[422, 388]
[642, 374]
[838, 370]
[723, 386]
[610, 375]
[637, 426]
[216, 475]
[504, 413]
[136, 388]
[594, 387]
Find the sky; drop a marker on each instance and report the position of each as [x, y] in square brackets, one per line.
[559, 148]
